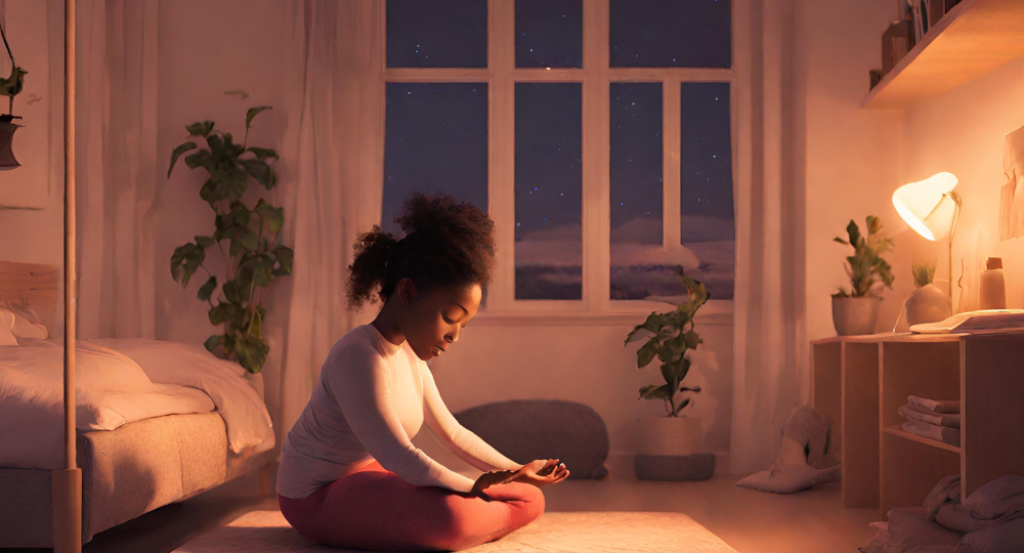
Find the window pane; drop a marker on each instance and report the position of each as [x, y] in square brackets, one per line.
[549, 33]
[708, 224]
[435, 141]
[670, 33]
[638, 261]
[548, 190]
[437, 33]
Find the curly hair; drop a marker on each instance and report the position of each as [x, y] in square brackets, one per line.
[446, 243]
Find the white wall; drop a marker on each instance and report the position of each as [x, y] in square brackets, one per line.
[851, 154]
[962, 132]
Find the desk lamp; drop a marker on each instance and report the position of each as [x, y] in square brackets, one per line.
[931, 208]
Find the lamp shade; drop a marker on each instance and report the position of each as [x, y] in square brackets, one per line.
[927, 205]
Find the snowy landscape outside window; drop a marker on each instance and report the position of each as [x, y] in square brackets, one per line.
[597, 133]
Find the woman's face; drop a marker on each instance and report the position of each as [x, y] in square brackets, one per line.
[432, 321]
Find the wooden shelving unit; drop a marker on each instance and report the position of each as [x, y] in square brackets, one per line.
[859, 383]
[973, 39]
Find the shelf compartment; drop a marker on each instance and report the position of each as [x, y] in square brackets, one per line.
[910, 469]
[973, 39]
[896, 430]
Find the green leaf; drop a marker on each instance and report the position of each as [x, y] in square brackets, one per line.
[234, 293]
[256, 328]
[177, 152]
[251, 352]
[679, 407]
[670, 372]
[263, 153]
[250, 241]
[273, 216]
[201, 158]
[224, 312]
[200, 129]
[646, 353]
[205, 241]
[263, 274]
[258, 169]
[638, 333]
[235, 185]
[210, 193]
[695, 389]
[213, 341]
[654, 392]
[240, 213]
[240, 93]
[285, 257]
[692, 339]
[206, 290]
[252, 113]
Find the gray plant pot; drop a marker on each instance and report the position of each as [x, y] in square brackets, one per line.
[855, 316]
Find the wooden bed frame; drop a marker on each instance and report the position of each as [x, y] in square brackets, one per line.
[37, 285]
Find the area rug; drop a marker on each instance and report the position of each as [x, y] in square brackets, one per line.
[605, 532]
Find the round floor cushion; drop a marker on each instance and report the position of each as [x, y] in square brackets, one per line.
[525, 430]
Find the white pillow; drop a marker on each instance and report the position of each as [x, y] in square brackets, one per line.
[24, 322]
[6, 322]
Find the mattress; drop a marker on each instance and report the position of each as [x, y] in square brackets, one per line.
[126, 472]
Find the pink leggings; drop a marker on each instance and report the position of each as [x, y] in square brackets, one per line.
[375, 509]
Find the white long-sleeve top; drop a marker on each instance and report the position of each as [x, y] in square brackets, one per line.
[371, 399]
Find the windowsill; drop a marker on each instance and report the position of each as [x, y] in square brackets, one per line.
[713, 313]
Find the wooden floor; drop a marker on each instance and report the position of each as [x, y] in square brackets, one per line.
[751, 522]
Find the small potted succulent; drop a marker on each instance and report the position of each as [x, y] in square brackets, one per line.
[10, 87]
[856, 312]
[670, 445]
[928, 304]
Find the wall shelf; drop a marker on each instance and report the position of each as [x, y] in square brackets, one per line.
[973, 39]
[896, 430]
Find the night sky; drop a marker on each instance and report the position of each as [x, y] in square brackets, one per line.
[436, 134]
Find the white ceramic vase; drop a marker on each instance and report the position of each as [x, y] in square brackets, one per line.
[928, 304]
[855, 316]
[676, 436]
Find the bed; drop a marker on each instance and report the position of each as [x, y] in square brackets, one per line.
[217, 428]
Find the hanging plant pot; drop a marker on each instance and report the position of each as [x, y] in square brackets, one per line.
[7, 128]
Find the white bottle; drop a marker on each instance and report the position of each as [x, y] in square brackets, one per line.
[992, 293]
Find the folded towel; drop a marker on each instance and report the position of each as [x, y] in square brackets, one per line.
[943, 434]
[935, 405]
[910, 412]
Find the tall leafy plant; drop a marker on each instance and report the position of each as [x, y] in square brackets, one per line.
[255, 255]
[867, 270]
[670, 336]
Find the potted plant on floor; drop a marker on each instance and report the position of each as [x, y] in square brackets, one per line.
[255, 256]
[856, 312]
[670, 446]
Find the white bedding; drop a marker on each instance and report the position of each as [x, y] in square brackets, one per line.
[117, 382]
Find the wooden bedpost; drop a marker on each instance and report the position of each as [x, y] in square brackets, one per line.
[66, 484]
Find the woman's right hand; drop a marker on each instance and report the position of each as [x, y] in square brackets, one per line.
[492, 478]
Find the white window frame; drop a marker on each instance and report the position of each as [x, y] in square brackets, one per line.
[595, 77]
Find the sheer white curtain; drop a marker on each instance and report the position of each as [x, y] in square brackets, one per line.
[331, 181]
[770, 377]
[116, 172]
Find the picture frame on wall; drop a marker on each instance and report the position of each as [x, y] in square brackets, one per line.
[27, 185]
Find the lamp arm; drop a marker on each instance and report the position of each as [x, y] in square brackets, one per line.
[952, 232]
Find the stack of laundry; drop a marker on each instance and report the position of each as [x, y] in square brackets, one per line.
[991, 520]
[932, 418]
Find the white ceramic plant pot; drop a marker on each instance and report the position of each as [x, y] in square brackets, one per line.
[675, 436]
[928, 304]
[855, 316]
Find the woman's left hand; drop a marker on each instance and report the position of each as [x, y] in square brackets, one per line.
[542, 473]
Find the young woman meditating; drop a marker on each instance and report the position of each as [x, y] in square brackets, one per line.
[349, 475]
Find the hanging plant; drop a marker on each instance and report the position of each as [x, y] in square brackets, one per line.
[10, 87]
[255, 255]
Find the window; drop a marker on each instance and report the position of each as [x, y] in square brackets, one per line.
[597, 133]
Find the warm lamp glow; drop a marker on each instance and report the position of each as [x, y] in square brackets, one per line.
[928, 206]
